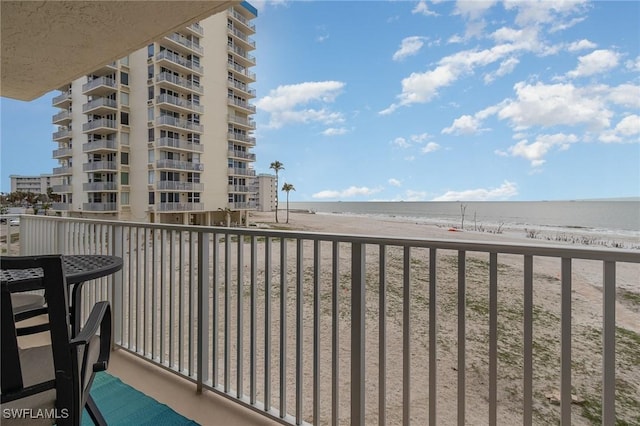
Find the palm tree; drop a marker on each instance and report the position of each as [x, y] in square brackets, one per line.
[286, 188]
[276, 166]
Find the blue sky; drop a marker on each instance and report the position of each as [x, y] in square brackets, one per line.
[429, 100]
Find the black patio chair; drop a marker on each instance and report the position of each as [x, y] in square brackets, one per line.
[50, 384]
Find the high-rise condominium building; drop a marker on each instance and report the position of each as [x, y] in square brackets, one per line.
[36, 184]
[165, 134]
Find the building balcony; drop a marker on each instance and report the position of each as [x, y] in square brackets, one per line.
[239, 137]
[249, 156]
[100, 165]
[62, 153]
[244, 122]
[176, 123]
[100, 126]
[107, 145]
[63, 100]
[60, 189]
[169, 185]
[171, 81]
[178, 104]
[241, 56]
[100, 106]
[61, 206]
[100, 186]
[171, 59]
[178, 207]
[180, 42]
[241, 105]
[63, 170]
[240, 20]
[241, 72]
[240, 189]
[248, 205]
[61, 118]
[100, 207]
[62, 135]
[241, 38]
[442, 329]
[242, 87]
[195, 29]
[179, 165]
[179, 144]
[240, 171]
[99, 86]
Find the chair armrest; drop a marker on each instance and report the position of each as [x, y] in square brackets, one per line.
[100, 317]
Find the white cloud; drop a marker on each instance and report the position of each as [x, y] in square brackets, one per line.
[544, 12]
[633, 64]
[412, 195]
[400, 142]
[506, 67]
[553, 105]
[409, 46]
[423, 9]
[535, 151]
[464, 125]
[581, 45]
[627, 130]
[394, 182]
[352, 191]
[285, 103]
[332, 131]
[430, 147]
[420, 138]
[503, 192]
[626, 95]
[596, 62]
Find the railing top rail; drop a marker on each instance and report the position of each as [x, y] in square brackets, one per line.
[544, 250]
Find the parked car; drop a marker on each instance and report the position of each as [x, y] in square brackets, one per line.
[14, 222]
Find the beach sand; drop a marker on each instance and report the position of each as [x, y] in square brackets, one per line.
[586, 326]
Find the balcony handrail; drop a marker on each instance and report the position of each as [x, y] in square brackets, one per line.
[109, 144]
[241, 104]
[281, 295]
[177, 122]
[100, 165]
[100, 81]
[179, 186]
[240, 137]
[182, 40]
[242, 19]
[98, 102]
[174, 100]
[177, 59]
[179, 144]
[180, 165]
[101, 122]
[178, 81]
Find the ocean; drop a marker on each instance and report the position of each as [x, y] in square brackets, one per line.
[601, 217]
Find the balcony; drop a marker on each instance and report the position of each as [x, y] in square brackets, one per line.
[172, 59]
[59, 189]
[100, 207]
[241, 105]
[239, 137]
[62, 135]
[100, 126]
[169, 185]
[241, 37]
[179, 165]
[61, 206]
[195, 29]
[239, 188]
[63, 100]
[364, 320]
[62, 153]
[245, 24]
[234, 153]
[107, 145]
[100, 106]
[181, 42]
[179, 104]
[99, 86]
[168, 80]
[239, 171]
[176, 123]
[179, 207]
[245, 122]
[179, 144]
[244, 58]
[63, 170]
[100, 165]
[61, 118]
[241, 72]
[99, 186]
[243, 87]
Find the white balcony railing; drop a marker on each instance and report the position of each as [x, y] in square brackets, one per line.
[177, 59]
[178, 81]
[330, 328]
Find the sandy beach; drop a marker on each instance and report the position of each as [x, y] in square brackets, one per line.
[586, 326]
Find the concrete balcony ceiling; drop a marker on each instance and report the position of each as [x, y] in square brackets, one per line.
[73, 38]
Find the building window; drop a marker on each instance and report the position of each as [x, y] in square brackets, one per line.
[124, 78]
[150, 114]
[151, 136]
[193, 197]
[124, 178]
[150, 49]
[124, 118]
[152, 198]
[124, 98]
[125, 61]
[124, 158]
[124, 137]
[150, 96]
[124, 198]
[151, 156]
[152, 177]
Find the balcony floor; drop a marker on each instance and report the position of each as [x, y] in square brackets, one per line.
[167, 388]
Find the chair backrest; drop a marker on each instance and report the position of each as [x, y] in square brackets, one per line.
[65, 360]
